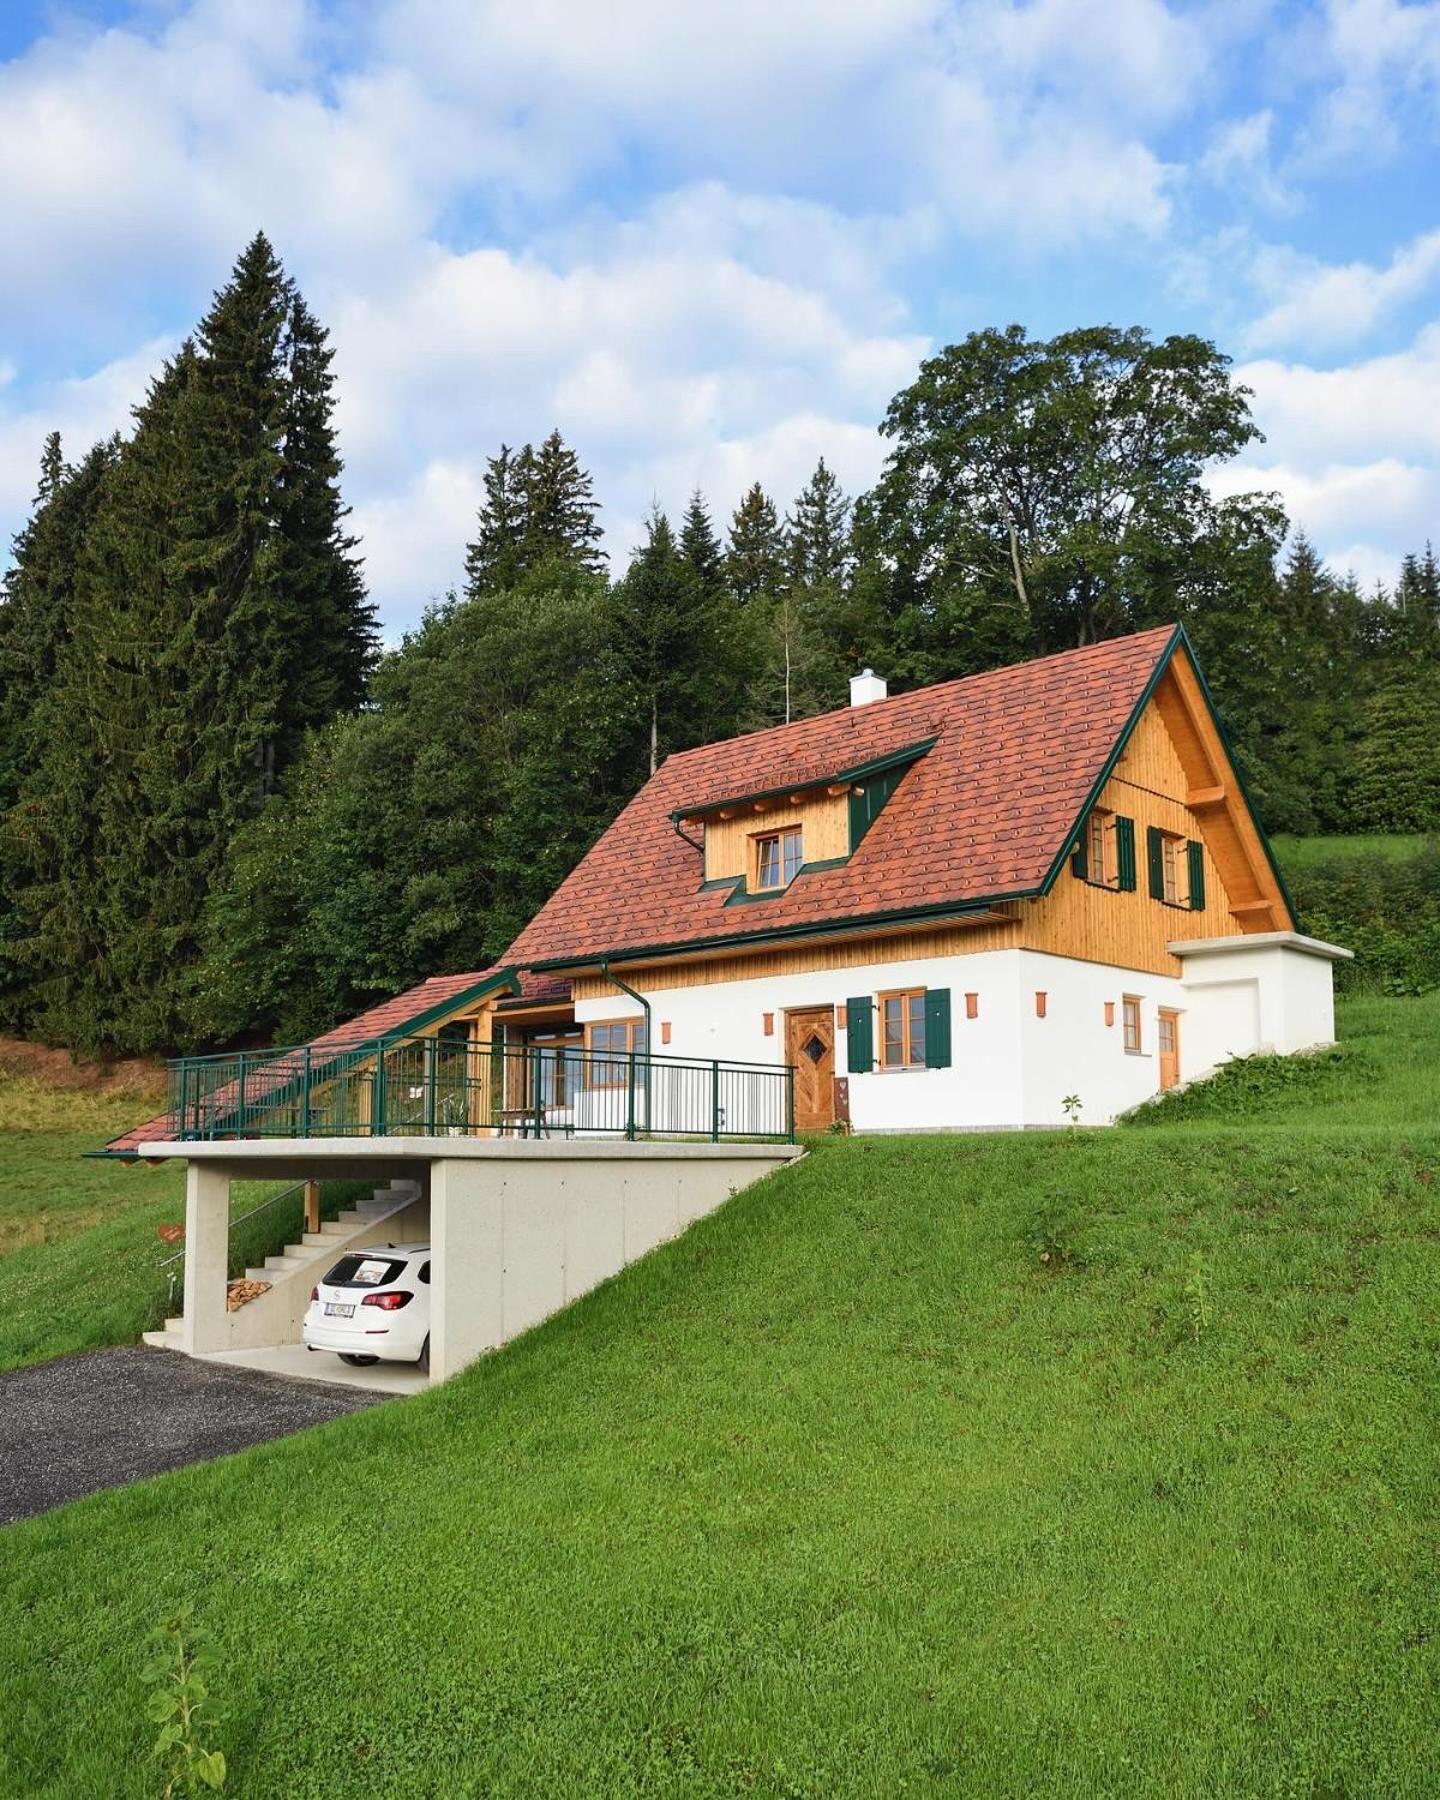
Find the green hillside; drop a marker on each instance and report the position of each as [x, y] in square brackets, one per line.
[1102, 1462]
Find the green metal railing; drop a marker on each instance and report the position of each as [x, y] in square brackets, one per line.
[436, 1087]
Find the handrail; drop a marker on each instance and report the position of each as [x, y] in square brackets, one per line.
[421, 1084]
[274, 1200]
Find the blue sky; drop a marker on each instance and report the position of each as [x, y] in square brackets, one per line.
[710, 240]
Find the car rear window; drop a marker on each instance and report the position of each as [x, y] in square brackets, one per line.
[366, 1271]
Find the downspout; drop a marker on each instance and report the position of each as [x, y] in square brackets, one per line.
[694, 843]
[625, 988]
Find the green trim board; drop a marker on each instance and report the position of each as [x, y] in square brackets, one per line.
[948, 909]
[856, 772]
[742, 895]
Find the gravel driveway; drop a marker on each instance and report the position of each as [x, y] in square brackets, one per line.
[107, 1417]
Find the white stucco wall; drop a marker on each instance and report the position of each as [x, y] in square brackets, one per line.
[1073, 1051]
[981, 1088]
[1010, 1068]
[1279, 984]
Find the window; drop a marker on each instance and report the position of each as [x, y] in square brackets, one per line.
[1130, 1019]
[1104, 853]
[555, 1062]
[778, 855]
[617, 1039]
[1170, 870]
[902, 1030]
[1097, 860]
[1177, 869]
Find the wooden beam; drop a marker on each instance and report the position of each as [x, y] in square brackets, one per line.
[312, 1205]
[1198, 799]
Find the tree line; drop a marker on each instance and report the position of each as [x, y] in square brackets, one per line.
[226, 816]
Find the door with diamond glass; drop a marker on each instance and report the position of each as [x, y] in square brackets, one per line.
[810, 1046]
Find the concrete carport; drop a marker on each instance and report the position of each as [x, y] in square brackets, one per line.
[518, 1228]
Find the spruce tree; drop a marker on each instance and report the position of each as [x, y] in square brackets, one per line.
[560, 508]
[494, 559]
[755, 559]
[701, 548]
[328, 624]
[819, 531]
[666, 639]
[218, 616]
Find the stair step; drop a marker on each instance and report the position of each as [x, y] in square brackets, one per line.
[161, 1340]
[175, 1325]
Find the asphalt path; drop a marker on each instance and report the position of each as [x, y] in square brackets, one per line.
[108, 1417]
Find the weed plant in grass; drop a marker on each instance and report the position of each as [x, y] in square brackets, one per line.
[1084, 1463]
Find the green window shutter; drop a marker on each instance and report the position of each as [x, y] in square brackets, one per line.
[1125, 854]
[1077, 855]
[860, 1034]
[937, 1028]
[1195, 856]
[1155, 856]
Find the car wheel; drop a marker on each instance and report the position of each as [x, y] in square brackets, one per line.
[423, 1360]
[357, 1362]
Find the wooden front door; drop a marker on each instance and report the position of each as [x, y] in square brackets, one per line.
[810, 1046]
[1169, 1048]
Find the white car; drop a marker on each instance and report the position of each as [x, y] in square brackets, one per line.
[373, 1306]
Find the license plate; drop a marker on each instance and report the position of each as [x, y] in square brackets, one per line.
[332, 1311]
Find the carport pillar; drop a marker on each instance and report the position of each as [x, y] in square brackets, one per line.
[206, 1324]
[467, 1267]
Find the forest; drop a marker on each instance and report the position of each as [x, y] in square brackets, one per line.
[227, 814]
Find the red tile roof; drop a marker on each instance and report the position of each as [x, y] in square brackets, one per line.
[984, 814]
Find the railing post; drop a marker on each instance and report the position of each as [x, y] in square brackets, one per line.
[630, 1101]
[431, 1048]
[240, 1097]
[305, 1095]
[790, 1103]
[377, 1110]
[183, 1106]
[537, 1067]
[714, 1102]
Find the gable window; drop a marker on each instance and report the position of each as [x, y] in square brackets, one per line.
[1097, 857]
[902, 1030]
[611, 1045]
[1170, 870]
[1177, 869]
[1104, 853]
[1130, 1019]
[778, 856]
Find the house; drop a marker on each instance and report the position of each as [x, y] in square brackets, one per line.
[985, 904]
[956, 908]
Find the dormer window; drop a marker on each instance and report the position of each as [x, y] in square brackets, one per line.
[778, 856]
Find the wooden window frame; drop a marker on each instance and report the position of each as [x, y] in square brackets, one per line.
[907, 1045]
[1102, 862]
[1130, 1006]
[597, 1060]
[1172, 843]
[779, 837]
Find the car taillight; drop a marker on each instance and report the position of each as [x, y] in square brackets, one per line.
[315, 1293]
[387, 1302]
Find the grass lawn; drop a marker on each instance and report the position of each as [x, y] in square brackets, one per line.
[1300, 853]
[1089, 1463]
[81, 1262]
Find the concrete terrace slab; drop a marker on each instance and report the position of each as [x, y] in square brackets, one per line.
[109, 1417]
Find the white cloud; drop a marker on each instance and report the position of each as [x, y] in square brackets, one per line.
[1384, 56]
[1239, 160]
[1354, 453]
[1322, 304]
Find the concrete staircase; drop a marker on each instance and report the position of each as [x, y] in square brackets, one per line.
[294, 1271]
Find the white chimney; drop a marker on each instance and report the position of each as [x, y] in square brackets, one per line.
[865, 687]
